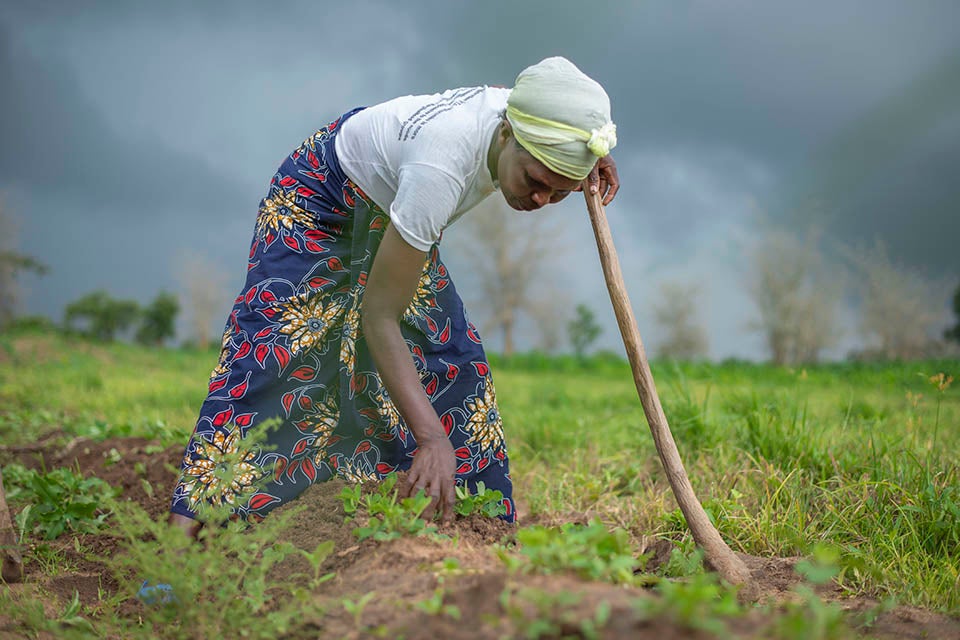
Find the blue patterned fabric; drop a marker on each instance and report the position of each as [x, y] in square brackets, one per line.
[293, 351]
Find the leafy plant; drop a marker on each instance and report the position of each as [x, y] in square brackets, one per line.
[553, 614]
[486, 502]
[590, 551]
[355, 608]
[386, 516]
[698, 602]
[57, 501]
[221, 587]
[809, 617]
[434, 605]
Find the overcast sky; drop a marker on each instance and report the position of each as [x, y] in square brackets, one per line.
[135, 132]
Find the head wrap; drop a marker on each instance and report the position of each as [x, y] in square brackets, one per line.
[561, 117]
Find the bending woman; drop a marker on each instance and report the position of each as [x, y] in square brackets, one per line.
[349, 332]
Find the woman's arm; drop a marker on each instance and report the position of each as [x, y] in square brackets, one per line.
[390, 287]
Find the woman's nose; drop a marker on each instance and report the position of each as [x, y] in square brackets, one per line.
[540, 198]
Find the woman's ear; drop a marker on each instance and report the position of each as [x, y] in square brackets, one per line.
[505, 131]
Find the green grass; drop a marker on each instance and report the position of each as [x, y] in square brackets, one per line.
[863, 458]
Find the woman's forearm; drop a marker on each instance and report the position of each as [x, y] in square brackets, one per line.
[399, 375]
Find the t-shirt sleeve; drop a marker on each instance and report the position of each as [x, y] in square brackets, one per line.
[427, 197]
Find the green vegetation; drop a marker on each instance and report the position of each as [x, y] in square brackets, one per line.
[856, 465]
[583, 330]
[57, 501]
[382, 514]
[221, 586]
[486, 502]
[590, 551]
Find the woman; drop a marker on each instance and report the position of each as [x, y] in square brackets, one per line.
[349, 334]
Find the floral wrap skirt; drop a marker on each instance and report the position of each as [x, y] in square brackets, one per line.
[295, 397]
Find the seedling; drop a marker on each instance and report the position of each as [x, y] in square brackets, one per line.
[486, 502]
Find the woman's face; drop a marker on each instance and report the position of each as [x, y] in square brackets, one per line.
[524, 182]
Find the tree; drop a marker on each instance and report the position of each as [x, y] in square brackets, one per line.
[204, 294]
[901, 310]
[12, 264]
[954, 333]
[583, 330]
[100, 316]
[676, 313]
[508, 253]
[796, 294]
[157, 321]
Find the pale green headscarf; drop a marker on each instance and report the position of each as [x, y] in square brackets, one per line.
[562, 117]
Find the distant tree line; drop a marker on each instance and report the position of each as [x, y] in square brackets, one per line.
[99, 316]
[795, 286]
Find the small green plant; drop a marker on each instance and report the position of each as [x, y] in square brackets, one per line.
[57, 501]
[316, 558]
[554, 614]
[386, 516]
[223, 586]
[486, 502]
[697, 602]
[591, 551]
[355, 608]
[434, 605]
[683, 562]
[71, 617]
[809, 617]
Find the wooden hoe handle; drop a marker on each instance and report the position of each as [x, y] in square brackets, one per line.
[718, 554]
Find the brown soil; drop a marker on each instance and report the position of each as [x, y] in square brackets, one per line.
[492, 602]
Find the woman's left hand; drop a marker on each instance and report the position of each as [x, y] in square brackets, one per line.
[603, 179]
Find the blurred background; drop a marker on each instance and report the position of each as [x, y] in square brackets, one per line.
[789, 170]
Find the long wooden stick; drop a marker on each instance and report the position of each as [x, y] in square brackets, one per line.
[718, 554]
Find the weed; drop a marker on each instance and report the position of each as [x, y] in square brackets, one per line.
[51, 561]
[57, 501]
[71, 616]
[222, 586]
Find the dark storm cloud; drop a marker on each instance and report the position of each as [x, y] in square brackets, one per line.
[165, 120]
[810, 94]
[54, 141]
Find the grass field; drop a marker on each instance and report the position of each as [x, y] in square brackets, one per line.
[859, 463]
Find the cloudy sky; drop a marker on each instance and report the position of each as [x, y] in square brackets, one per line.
[134, 133]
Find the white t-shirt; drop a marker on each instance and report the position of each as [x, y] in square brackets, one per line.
[424, 158]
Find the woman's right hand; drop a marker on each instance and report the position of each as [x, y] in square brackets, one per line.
[434, 471]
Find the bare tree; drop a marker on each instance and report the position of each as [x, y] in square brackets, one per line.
[677, 314]
[12, 264]
[796, 294]
[550, 317]
[901, 311]
[203, 293]
[508, 253]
